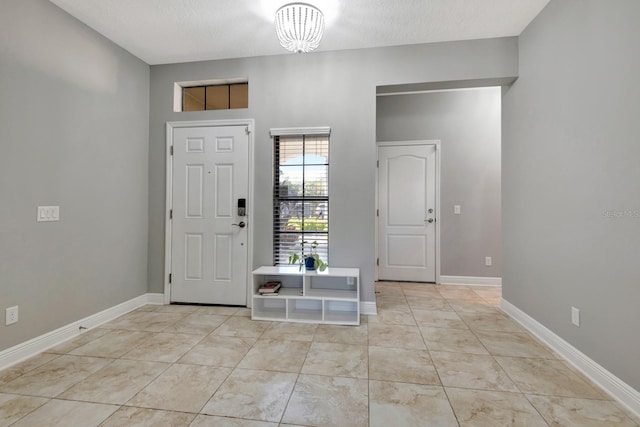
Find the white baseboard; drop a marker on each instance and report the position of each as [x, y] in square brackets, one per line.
[368, 308]
[27, 349]
[155, 299]
[614, 386]
[471, 281]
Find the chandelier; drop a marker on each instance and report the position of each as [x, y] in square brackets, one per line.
[299, 27]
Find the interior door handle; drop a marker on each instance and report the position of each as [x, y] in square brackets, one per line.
[241, 224]
[430, 220]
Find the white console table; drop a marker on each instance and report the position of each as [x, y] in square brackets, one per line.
[331, 296]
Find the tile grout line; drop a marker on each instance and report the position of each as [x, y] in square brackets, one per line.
[435, 368]
[232, 370]
[295, 383]
[493, 358]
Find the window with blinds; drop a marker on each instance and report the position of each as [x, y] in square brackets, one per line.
[300, 194]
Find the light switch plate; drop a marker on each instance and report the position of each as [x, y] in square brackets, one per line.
[575, 316]
[456, 209]
[48, 213]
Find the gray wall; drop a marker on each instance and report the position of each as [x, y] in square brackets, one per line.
[74, 116]
[336, 89]
[571, 179]
[468, 125]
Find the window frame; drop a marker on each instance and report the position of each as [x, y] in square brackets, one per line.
[217, 85]
[278, 233]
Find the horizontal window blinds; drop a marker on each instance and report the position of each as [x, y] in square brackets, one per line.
[300, 194]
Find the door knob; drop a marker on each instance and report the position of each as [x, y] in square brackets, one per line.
[241, 224]
[430, 220]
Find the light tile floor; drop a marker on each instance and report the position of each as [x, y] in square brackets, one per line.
[434, 356]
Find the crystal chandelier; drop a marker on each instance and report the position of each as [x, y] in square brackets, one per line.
[299, 27]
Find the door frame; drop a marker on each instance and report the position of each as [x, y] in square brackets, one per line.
[170, 126]
[436, 143]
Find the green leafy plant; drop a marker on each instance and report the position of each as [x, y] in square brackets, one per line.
[295, 258]
[310, 224]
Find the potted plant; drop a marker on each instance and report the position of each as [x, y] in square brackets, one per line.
[311, 260]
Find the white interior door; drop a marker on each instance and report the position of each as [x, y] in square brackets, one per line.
[407, 216]
[209, 252]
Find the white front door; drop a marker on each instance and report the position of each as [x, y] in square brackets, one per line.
[208, 247]
[407, 216]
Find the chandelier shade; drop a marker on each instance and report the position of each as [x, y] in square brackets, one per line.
[299, 27]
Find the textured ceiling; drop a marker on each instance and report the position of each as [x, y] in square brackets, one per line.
[169, 31]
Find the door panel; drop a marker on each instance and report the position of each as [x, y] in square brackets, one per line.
[195, 197]
[223, 257]
[224, 191]
[195, 145]
[193, 257]
[406, 250]
[407, 196]
[209, 252]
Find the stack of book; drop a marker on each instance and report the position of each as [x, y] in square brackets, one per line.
[269, 288]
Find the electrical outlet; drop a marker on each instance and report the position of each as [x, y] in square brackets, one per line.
[11, 316]
[351, 281]
[488, 261]
[456, 209]
[575, 316]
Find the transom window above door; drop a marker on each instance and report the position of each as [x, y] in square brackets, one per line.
[207, 95]
[215, 97]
